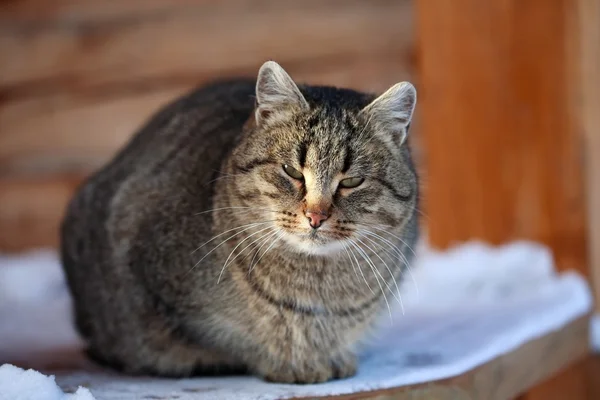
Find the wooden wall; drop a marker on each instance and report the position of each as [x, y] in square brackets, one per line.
[77, 77]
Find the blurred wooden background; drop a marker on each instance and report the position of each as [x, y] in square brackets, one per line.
[78, 77]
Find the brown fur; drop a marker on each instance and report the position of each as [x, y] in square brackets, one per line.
[152, 291]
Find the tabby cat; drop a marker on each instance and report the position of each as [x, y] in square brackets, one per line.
[252, 225]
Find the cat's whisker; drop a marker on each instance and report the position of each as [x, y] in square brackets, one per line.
[264, 237]
[253, 243]
[360, 270]
[348, 252]
[377, 226]
[351, 262]
[376, 270]
[406, 244]
[235, 248]
[397, 250]
[266, 251]
[365, 256]
[391, 245]
[223, 176]
[408, 266]
[391, 250]
[223, 208]
[223, 242]
[238, 208]
[257, 252]
[229, 230]
[399, 298]
[422, 213]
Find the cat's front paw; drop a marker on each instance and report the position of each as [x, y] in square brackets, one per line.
[313, 374]
[338, 367]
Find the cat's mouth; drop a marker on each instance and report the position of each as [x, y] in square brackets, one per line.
[315, 242]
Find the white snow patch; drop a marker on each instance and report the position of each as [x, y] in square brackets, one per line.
[19, 384]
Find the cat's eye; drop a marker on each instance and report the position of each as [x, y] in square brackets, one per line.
[350, 183]
[293, 172]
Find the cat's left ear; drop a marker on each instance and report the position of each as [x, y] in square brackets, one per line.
[392, 111]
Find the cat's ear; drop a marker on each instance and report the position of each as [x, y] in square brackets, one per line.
[276, 93]
[393, 110]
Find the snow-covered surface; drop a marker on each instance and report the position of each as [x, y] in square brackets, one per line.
[472, 303]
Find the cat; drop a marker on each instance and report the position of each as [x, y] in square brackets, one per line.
[253, 225]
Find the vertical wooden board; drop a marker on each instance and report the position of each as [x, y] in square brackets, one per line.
[503, 151]
[586, 25]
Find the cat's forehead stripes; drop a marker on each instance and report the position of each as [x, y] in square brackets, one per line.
[347, 159]
[326, 143]
[322, 163]
[302, 150]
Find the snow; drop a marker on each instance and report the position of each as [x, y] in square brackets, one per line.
[19, 384]
[463, 307]
[35, 307]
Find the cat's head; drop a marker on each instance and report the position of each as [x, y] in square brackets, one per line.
[329, 167]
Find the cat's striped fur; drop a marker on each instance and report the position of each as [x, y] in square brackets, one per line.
[269, 293]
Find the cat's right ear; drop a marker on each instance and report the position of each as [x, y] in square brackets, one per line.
[276, 93]
[392, 111]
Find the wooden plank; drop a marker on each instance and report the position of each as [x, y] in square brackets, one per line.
[82, 130]
[503, 149]
[31, 211]
[572, 382]
[504, 377]
[592, 370]
[579, 382]
[195, 41]
[55, 134]
[37, 13]
[41, 14]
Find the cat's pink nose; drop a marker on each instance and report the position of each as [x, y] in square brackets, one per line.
[316, 218]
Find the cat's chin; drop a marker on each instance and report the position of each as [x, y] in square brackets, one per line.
[317, 246]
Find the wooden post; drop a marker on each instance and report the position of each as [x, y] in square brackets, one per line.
[501, 124]
[510, 118]
[588, 54]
